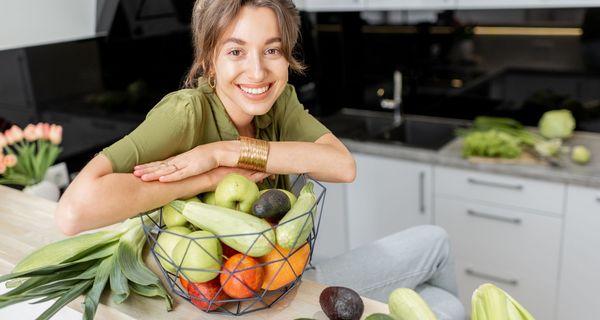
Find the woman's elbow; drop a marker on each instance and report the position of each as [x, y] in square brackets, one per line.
[68, 217]
[348, 173]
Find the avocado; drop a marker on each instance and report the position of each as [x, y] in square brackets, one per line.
[341, 303]
[271, 204]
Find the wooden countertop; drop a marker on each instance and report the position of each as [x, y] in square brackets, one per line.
[26, 223]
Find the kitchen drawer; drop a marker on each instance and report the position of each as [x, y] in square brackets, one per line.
[501, 189]
[514, 249]
[580, 279]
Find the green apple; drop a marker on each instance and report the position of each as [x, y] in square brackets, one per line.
[236, 192]
[581, 154]
[199, 255]
[172, 217]
[166, 242]
[288, 193]
[209, 198]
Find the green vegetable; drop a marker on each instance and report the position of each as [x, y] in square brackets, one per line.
[84, 264]
[293, 229]
[490, 303]
[405, 303]
[241, 231]
[580, 154]
[557, 124]
[491, 143]
[548, 148]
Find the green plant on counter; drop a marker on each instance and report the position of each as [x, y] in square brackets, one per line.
[84, 264]
[491, 143]
[557, 124]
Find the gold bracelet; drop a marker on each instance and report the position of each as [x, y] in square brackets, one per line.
[253, 154]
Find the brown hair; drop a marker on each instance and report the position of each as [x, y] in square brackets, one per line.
[211, 17]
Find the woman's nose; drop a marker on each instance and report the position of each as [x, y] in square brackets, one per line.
[256, 67]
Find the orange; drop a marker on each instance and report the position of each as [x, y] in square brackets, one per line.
[206, 295]
[241, 276]
[278, 272]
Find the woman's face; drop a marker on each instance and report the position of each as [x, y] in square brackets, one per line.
[250, 70]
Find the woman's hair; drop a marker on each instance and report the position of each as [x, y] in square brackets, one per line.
[210, 18]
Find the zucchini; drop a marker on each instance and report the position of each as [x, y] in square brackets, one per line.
[241, 231]
[405, 303]
[293, 229]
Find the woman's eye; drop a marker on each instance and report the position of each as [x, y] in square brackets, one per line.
[235, 52]
[273, 51]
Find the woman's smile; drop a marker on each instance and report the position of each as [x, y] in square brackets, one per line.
[255, 92]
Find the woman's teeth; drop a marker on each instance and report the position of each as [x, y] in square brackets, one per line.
[255, 90]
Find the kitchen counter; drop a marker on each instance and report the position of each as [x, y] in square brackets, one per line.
[451, 155]
[26, 223]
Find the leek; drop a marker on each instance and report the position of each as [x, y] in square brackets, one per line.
[85, 264]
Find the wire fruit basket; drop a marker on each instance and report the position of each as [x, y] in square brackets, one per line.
[236, 282]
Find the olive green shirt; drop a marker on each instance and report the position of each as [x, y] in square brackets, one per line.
[187, 118]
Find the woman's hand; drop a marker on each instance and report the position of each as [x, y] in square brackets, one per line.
[196, 161]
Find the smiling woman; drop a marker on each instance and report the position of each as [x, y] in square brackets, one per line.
[237, 113]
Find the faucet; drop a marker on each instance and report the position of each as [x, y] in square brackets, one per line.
[395, 103]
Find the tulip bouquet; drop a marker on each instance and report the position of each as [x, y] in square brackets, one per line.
[26, 154]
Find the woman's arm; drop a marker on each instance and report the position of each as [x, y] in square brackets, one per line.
[98, 197]
[326, 159]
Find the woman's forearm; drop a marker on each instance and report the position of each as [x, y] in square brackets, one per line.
[94, 200]
[321, 161]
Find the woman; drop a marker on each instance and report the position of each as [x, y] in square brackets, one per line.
[195, 136]
[243, 50]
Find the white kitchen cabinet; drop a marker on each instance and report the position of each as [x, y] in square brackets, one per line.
[410, 4]
[332, 238]
[388, 195]
[499, 4]
[330, 5]
[579, 280]
[504, 230]
[572, 3]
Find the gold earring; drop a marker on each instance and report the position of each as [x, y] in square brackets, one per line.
[212, 82]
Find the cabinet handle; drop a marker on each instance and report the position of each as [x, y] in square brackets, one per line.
[493, 217]
[495, 184]
[482, 275]
[422, 192]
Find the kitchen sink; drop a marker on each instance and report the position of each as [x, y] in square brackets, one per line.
[414, 131]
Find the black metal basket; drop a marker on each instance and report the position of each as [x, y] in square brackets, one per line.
[213, 301]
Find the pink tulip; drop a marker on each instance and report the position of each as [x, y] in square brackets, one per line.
[55, 134]
[3, 141]
[39, 131]
[9, 137]
[46, 128]
[17, 133]
[10, 160]
[2, 167]
[29, 132]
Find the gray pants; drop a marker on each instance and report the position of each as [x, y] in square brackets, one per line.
[417, 258]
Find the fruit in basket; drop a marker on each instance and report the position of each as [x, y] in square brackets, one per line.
[281, 268]
[209, 198]
[166, 242]
[342, 303]
[242, 276]
[242, 232]
[207, 295]
[379, 316]
[172, 218]
[290, 195]
[200, 250]
[293, 229]
[271, 204]
[236, 192]
[228, 251]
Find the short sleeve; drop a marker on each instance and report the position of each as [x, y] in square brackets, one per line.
[167, 130]
[297, 124]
